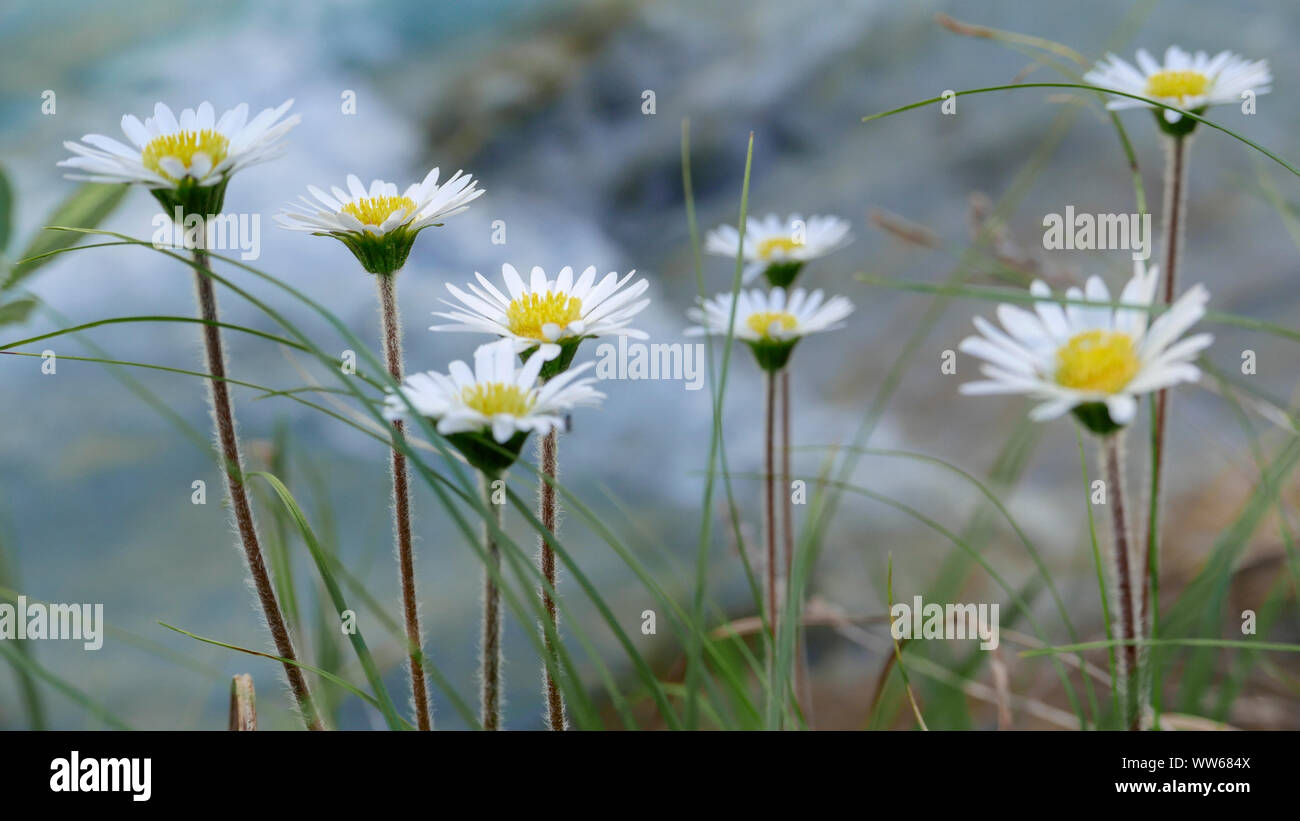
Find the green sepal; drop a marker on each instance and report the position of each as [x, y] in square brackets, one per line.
[1095, 417]
[382, 254]
[782, 274]
[772, 354]
[1185, 125]
[485, 453]
[192, 198]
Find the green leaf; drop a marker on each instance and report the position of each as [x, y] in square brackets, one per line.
[86, 207]
[1190, 115]
[382, 699]
[6, 210]
[31, 694]
[325, 674]
[95, 708]
[16, 311]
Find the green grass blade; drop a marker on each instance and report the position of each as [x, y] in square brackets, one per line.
[6, 210]
[31, 694]
[1228, 644]
[127, 319]
[898, 653]
[991, 293]
[385, 703]
[1086, 87]
[30, 665]
[324, 674]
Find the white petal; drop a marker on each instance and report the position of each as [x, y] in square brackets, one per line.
[503, 427]
[514, 284]
[532, 368]
[1051, 409]
[986, 350]
[1023, 326]
[461, 373]
[537, 280]
[564, 280]
[165, 119]
[1122, 408]
[135, 131]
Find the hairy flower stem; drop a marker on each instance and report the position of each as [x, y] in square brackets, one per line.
[769, 500]
[1175, 201]
[803, 678]
[490, 658]
[1126, 582]
[770, 379]
[392, 328]
[223, 418]
[548, 455]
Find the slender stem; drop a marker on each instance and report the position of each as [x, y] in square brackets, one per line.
[776, 692]
[392, 328]
[223, 418]
[787, 506]
[1175, 200]
[1126, 579]
[548, 455]
[803, 677]
[769, 497]
[1101, 577]
[490, 659]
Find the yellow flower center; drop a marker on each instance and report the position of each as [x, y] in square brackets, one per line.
[530, 312]
[1103, 361]
[1176, 84]
[374, 210]
[771, 245]
[492, 398]
[183, 146]
[761, 321]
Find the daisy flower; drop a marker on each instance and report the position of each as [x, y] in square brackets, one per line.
[378, 224]
[497, 402]
[768, 322]
[545, 320]
[1092, 360]
[184, 161]
[549, 316]
[779, 248]
[1189, 81]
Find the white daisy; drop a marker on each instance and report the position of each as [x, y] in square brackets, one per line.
[1189, 81]
[778, 247]
[196, 148]
[498, 399]
[378, 224]
[769, 322]
[1080, 357]
[379, 209]
[551, 315]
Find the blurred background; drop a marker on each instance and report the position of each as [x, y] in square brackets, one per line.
[543, 102]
